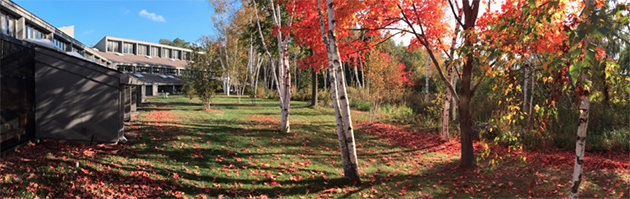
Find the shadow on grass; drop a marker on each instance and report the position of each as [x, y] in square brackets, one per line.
[162, 148]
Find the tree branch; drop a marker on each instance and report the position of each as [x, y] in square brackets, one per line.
[457, 17]
[433, 58]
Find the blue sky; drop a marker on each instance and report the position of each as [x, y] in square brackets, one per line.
[145, 20]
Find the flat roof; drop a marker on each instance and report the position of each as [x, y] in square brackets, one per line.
[146, 43]
[143, 60]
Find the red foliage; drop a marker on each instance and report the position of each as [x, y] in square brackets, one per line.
[349, 14]
[431, 142]
[396, 135]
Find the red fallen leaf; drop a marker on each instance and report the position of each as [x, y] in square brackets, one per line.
[89, 152]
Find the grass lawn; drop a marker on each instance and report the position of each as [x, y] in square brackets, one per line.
[235, 150]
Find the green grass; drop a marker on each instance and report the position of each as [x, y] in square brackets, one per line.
[237, 151]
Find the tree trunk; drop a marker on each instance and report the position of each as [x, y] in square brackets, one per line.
[362, 72]
[453, 100]
[356, 74]
[426, 82]
[295, 72]
[525, 81]
[580, 141]
[265, 83]
[531, 96]
[286, 92]
[257, 76]
[345, 131]
[446, 110]
[227, 86]
[467, 160]
[206, 106]
[325, 78]
[314, 88]
[283, 80]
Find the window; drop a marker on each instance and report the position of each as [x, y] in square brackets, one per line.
[176, 54]
[33, 33]
[128, 48]
[60, 44]
[155, 51]
[7, 24]
[166, 53]
[142, 69]
[113, 46]
[143, 49]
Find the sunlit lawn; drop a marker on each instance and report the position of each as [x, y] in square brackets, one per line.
[236, 151]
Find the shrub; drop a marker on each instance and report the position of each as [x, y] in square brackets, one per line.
[324, 97]
[360, 105]
[400, 113]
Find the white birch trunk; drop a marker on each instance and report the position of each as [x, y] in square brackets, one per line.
[345, 131]
[283, 79]
[580, 141]
[226, 69]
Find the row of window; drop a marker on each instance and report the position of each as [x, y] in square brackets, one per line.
[34, 33]
[60, 44]
[7, 24]
[130, 48]
[144, 69]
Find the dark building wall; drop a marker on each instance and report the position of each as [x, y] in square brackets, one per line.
[16, 93]
[76, 99]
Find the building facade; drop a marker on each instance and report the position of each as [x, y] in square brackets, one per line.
[54, 87]
[157, 66]
[21, 24]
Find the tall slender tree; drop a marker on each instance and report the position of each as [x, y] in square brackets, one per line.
[284, 69]
[345, 131]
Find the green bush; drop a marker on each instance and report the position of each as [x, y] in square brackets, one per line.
[271, 95]
[360, 105]
[401, 113]
[302, 96]
[612, 140]
[324, 97]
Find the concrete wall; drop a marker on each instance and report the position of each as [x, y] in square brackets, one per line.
[101, 45]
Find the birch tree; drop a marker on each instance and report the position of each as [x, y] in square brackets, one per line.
[221, 20]
[345, 132]
[283, 78]
[584, 107]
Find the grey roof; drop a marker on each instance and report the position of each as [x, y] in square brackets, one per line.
[159, 79]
